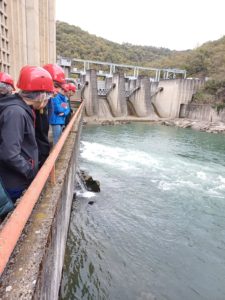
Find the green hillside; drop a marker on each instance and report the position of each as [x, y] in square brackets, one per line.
[74, 42]
[207, 60]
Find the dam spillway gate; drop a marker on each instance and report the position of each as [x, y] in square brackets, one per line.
[118, 96]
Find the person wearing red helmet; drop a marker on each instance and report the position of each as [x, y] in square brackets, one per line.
[18, 146]
[6, 84]
[71, 90]
[41, 132]
[65, 88]
[57, 73]
[58, 107]
[42, 122]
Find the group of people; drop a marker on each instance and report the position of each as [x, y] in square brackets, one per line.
[42, 99]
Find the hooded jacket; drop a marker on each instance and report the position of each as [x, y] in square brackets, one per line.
[41, 132]
[18, 147]
[58, 105]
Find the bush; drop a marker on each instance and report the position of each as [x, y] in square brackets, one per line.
[218, 107]
[212, 86]
[212, 92]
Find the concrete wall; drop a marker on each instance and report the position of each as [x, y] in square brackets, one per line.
[17, 35]
[34, 270]
[32, 38]
[116, 97]
[90, 93]
[202, 113]
[141, 99]
[175, 93]
[104, 109]
[108, 82]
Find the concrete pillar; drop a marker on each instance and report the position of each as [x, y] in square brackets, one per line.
[116, 98]
[141, 99]
[47, 30]
[153, 88]
[108, 82]
[33, 33]
[90, 93]
[82, 78]
[52, 31]
[166, 102]
[132, 84]
[44, 31]
[32, 38]
[17, 35]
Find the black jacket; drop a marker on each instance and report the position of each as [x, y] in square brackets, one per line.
[18, 147]
[41, 132]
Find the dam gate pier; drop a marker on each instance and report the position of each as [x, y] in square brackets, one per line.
[119, 96]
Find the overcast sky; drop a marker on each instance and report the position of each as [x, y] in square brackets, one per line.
[173, 24]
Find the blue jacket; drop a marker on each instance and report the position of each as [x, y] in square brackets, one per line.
[58, 105]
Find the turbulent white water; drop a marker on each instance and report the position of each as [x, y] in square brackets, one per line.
[81, 188]
[164, 173]
[157, 229]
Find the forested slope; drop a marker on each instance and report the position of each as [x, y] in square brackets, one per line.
[206, 60]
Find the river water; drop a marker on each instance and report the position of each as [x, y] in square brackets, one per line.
[157, 228]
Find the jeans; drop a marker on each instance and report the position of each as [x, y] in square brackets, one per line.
[56, 132]
[14, 193]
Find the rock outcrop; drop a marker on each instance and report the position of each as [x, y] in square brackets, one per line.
[212, 127]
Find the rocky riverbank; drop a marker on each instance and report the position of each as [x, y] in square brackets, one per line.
[212, 127]
[118, 120]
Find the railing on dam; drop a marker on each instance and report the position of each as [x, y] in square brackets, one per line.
[14, 226]
[107, 69]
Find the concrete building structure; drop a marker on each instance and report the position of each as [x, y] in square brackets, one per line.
[27, 34]
[122, 97]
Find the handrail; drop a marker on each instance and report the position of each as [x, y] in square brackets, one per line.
[14, 226]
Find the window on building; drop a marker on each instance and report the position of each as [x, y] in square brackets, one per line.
[4, 42]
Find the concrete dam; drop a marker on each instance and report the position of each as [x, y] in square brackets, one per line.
[121, 97]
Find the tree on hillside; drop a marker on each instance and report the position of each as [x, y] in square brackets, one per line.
[207, 60]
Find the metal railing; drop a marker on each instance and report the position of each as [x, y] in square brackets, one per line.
[160, 73]
[14, 226]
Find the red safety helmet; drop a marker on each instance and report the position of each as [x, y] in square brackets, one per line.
[35, 79]
[72, 87]
[6, 78]
[56, 72]
[65, 87]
